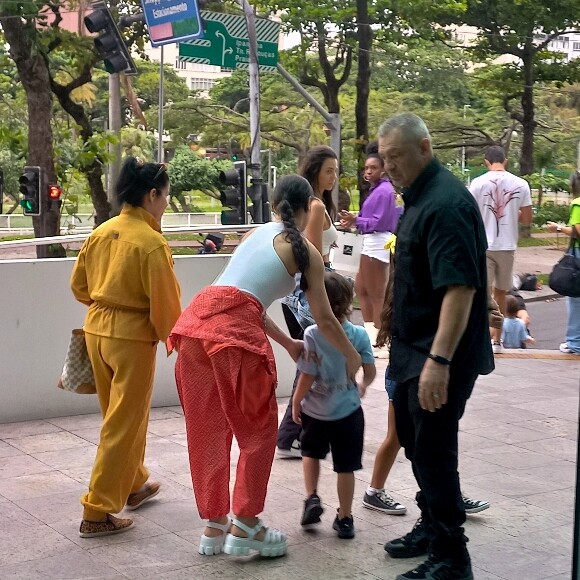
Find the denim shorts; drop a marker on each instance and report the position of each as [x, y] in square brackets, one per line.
[390, 384]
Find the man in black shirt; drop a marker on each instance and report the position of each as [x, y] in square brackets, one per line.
[440, 333]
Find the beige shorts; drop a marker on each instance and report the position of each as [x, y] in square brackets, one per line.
[500, 265]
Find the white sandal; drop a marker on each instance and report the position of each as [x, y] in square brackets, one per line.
[274, 543]
[213, 546]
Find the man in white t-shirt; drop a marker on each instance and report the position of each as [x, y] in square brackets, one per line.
[504, 201]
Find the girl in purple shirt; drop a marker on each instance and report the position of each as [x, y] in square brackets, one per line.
[377, 220]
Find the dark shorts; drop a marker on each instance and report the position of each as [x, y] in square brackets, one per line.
[344, 438]
[390, 384]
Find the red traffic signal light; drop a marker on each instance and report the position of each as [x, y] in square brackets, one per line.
[54, 192]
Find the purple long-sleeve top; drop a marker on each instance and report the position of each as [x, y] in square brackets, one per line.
[378, 212]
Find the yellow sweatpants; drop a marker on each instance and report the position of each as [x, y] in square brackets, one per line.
[124, 371]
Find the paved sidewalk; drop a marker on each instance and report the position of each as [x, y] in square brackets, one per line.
[518, 450]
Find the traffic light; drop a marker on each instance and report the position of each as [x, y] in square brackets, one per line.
[54, 193]
[30, 187]
[234, 198]
[109, 42]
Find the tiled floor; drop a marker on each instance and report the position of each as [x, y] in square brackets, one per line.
[518, 450]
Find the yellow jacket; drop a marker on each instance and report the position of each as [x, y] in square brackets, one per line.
[124, 273]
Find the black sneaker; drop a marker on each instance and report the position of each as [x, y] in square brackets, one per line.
[383, 502]
[312, 511]
[474, 506]
[415, 543]
[439, 569]
[344, 527]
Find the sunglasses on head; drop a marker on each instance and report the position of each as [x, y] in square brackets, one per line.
[162, 169]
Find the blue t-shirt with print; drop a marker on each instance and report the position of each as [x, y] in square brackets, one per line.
[332, 395]
[513, 333]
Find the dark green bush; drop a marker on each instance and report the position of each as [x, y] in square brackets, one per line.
[551, 212]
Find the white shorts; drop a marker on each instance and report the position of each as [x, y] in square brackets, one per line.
[373, 246]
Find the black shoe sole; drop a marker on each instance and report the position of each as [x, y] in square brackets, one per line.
[407, 552]
[311, 516]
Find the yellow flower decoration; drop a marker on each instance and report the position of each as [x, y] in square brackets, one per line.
[390, 243]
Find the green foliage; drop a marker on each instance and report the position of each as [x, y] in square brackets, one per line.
[551, 212]
[189, 172]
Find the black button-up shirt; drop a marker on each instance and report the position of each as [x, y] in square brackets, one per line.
[440, 242]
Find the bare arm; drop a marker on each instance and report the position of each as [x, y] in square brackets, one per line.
[526, 215]
[304, 383]
[369, 374]
[453, 319]
[294, 347]
[315, 225]
[323, 315]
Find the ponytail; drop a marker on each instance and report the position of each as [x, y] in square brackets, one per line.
[137, 178]
[299, 247]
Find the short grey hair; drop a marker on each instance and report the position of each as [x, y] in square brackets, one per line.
[412, 127]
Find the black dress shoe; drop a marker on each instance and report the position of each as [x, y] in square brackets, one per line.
[415, 543]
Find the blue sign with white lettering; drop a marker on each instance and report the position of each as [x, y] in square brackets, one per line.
[171, 21]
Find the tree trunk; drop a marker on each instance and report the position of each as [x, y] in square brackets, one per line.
[365, 39]
[528, 117]
[92, 170]
[34, 76]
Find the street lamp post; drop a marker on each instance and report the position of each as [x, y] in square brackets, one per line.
[465, 107]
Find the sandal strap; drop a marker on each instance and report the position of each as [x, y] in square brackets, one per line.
[223, 527]
[250, 531]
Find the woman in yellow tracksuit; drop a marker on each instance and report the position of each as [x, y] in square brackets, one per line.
[124, 274]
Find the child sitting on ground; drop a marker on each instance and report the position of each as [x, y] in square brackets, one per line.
[327, 403]
[514, 333]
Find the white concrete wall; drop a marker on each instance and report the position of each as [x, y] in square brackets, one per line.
[37, 313]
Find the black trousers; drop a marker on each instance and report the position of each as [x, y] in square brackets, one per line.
[430, 443]
[288, 431]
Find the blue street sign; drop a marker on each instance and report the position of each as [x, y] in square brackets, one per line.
[171, 21]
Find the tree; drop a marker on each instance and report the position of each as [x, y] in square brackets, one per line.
[521, 30]
[22, 35]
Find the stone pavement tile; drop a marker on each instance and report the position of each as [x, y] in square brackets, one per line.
[174, 516]
[25, 428]
[90, 434]
[494, 415]
[78, 422]
[510, 484]
[17, 465]
[165, 427]
[165, 456]
[558, 540]
[556, 447]
[7, 450]
[304, 561]
[560, 474]
[472, 441]
[159, 413]
[37, 485]
[146, 557]
[564, 407]
[143, 529]
[75, 457]
[15, 520]
[480, 534]
[516, 518]
[504, 433]
[179, 438]
[57, 508]
[73, 565]
[552, 427]
[511, 560]
[560, 501]
[215, 567]
[510, 456]
[32, 544]
[32, 444]
[523, 394]
[471, 467]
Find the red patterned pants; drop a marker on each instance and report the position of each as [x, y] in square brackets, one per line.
[225, 392]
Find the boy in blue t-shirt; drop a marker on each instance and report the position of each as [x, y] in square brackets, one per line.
[514, 333]
[327, 404]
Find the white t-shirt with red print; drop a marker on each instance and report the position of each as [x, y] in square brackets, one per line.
[500, 195]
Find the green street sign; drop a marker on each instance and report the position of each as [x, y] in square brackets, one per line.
[226, 44]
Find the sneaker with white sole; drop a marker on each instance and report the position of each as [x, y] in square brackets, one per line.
[497, 347]
[295, 452]
[383, 502]
[474, 506]
[566, 349]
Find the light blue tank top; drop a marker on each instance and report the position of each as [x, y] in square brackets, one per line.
[256, 268]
